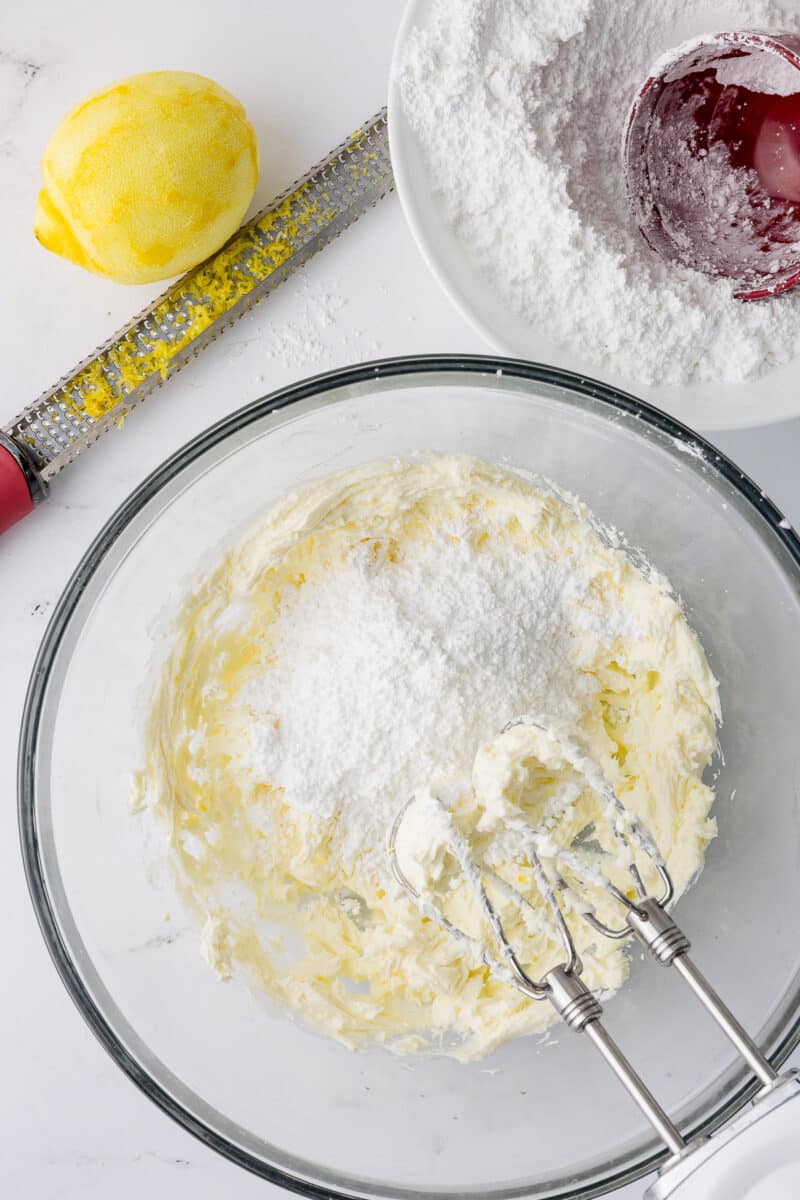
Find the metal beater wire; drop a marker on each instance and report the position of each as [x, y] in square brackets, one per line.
[472, 873]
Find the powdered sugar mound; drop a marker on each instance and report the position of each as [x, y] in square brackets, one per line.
[519, 107]
[388, 675]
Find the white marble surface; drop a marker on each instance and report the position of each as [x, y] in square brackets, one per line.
[70, 1123]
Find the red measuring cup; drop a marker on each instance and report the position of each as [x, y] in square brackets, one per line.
[712, 159]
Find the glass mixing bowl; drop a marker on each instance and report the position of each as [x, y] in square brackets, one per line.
[537, 1118]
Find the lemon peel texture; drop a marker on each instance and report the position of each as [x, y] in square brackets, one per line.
[147, 177]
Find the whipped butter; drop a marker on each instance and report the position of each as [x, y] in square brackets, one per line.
[368, 638]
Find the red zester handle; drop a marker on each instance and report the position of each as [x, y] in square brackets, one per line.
[15, 495]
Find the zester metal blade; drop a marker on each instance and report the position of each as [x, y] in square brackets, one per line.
[171, 331]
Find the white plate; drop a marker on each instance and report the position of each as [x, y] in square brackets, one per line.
[775, 397]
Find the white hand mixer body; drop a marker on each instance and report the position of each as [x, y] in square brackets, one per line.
[754, 1157]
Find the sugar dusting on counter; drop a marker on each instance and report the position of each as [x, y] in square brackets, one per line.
[317, 337]
[519, 107]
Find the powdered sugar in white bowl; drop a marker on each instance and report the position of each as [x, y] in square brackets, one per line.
[507, 119]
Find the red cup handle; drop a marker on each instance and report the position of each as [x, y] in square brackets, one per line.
[15, 495]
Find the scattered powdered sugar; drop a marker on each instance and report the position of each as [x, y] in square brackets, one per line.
[520, 108]
[314, 338]
[388, 675]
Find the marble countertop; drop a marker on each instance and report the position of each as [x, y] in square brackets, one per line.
[308, 73]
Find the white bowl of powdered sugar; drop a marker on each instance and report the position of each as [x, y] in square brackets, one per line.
[506, 122]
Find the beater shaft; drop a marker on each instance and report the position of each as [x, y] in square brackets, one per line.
[726, 1020]
[581, 1010]
[669, 945]
[636, 1088]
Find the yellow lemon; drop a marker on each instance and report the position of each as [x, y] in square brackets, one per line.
[147, 177]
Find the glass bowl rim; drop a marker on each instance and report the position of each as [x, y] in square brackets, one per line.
[318, 387]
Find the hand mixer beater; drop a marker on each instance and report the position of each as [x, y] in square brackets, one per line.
[755, 1157]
